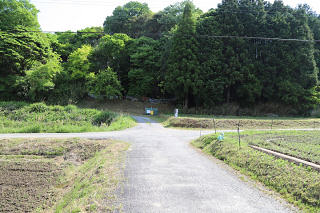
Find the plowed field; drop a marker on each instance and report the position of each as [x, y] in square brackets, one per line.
[29, 170]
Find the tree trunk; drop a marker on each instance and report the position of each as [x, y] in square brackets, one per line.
[228, 95]
[186, 101]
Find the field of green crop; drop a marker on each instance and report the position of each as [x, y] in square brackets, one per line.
[301, 144]
[20, 117]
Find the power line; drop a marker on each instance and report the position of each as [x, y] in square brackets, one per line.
[103, 3]
[259, 38]
[208, 36]
[77, 3]
[37, 31]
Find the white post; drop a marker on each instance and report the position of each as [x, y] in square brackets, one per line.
[176, 113]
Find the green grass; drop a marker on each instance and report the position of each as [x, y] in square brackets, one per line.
[20, 117]
[297, 184]
[92, 186]
[231, 122]
[301, 144]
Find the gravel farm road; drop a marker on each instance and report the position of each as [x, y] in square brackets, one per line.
[165, 174]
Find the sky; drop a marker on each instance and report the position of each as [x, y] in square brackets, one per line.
[63, 15]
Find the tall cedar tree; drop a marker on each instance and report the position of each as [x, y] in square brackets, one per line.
[183, 77]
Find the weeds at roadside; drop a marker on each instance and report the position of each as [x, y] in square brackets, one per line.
[297, 184]
[19, 117]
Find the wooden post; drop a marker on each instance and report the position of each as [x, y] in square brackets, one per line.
[271, 124]
[214, 125]
[239, 134]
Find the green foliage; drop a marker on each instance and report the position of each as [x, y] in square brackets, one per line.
[104, 117]
[112, 52]
[144, 75]
[129, 19]
[40, 78]
[184, 62]
[105, 84]
[109, 52]
[251, 71]
[162, 22]
[141, 83]
[38, 117]
[19, 51]
[14, 13]
[69, 42]
[78, 64]
[182, 77]
[22, 52]
[11, 105]
[70, 83]
[37, 107]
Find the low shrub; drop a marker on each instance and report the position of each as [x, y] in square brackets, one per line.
[57, 108]
[104, 117]
[70, 108]
[12, 105]
[37, 107]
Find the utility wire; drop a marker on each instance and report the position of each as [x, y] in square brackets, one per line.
[259, 38]
[102, 3]
[207, 36]
[76, 3]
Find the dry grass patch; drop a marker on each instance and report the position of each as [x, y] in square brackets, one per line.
[245, 123]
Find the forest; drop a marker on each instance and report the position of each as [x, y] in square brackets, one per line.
[244, 52]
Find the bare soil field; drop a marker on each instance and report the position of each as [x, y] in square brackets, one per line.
[30, 169]
[244, 123]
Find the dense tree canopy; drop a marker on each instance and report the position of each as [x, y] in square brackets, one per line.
[18, 13]
[129, 19]
[19, 51]
[183, 77]
[145, 67]
[226, 55]
[163, 21]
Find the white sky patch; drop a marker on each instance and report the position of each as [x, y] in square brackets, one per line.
[62, 15]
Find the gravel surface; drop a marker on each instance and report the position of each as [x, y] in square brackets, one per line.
[165, 174]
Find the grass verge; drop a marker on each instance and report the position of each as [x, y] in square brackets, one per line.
[92, 186]
[297, 184]
[71, 175]
[19, 117]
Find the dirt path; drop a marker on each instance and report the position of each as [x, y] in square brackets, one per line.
[165, 174]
